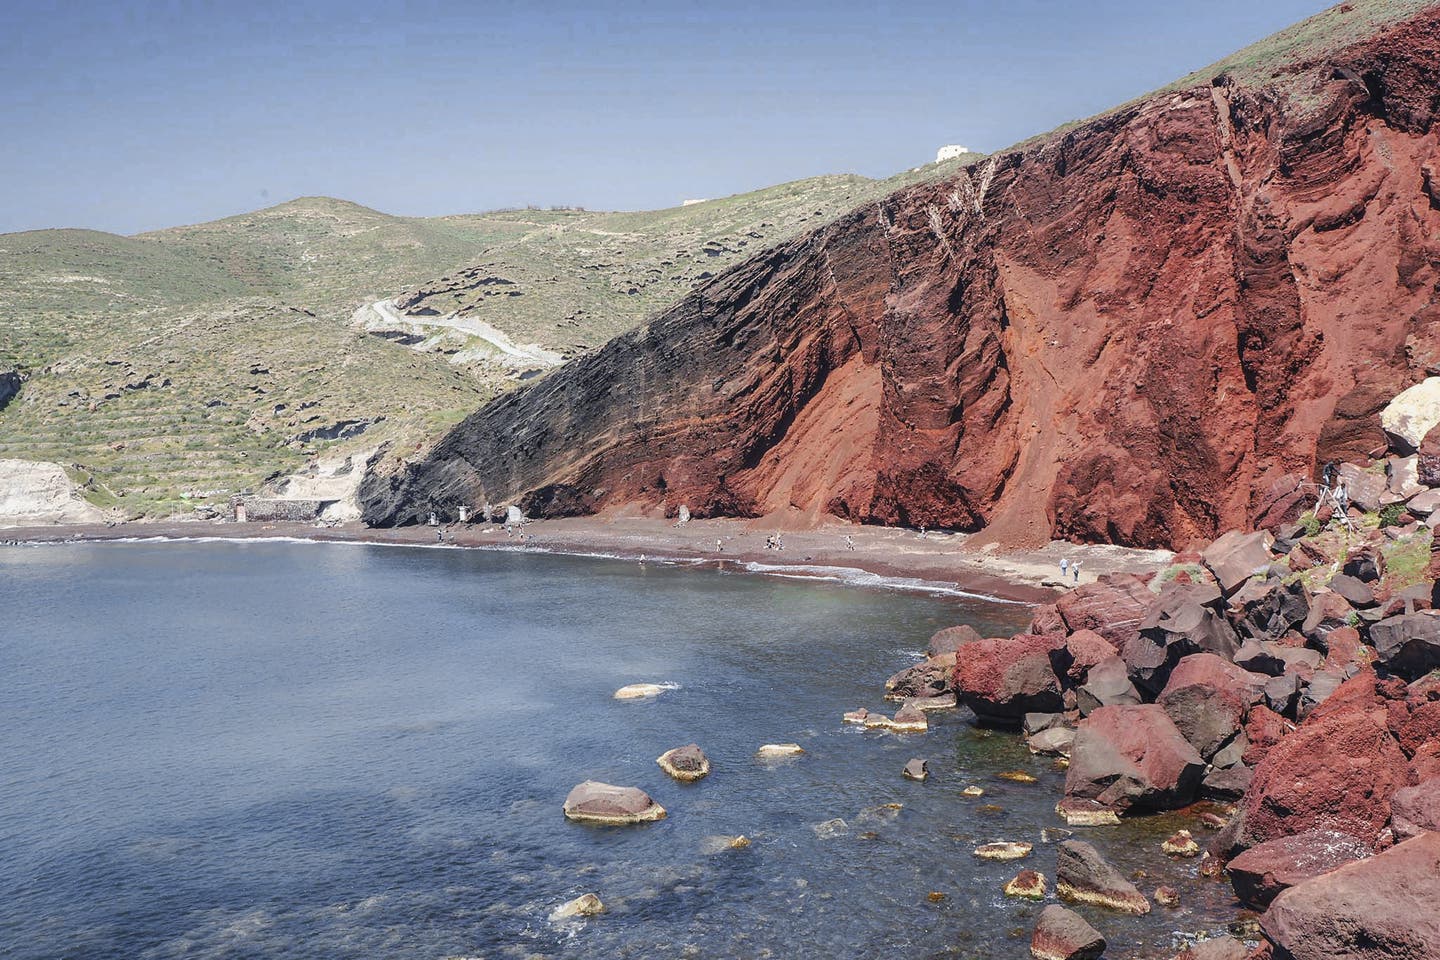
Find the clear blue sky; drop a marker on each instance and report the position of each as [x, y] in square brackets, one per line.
[128, 116]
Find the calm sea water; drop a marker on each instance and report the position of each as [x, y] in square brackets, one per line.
[297, 750]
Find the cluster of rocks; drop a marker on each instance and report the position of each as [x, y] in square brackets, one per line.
[1292, 673]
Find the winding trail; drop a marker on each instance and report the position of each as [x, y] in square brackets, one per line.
[532, 354]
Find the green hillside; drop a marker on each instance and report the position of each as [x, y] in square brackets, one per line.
[176, 368]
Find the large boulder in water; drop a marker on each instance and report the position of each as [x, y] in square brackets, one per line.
[602, 803]
[1083, 876]
[1380, 908]
[1208, 698]
[1112, 606]
[1001, 680]
[1132, 758]
[951, 639]
[1266, 870]
[930, 678]
[1062, 934]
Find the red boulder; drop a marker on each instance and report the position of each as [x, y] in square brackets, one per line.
[1113, 607]
[1132, 758]
[1002, 680]
[1380, 908]
[1263, 872]
[1336, 771]
[1208, 698]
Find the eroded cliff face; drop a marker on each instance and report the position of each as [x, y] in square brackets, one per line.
[1124, 333]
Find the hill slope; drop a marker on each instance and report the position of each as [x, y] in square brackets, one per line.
[1125, 332]
[139, 352]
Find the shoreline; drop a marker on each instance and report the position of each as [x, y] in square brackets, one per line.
[887, 557]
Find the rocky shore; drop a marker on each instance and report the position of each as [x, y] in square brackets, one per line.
[1281, 685]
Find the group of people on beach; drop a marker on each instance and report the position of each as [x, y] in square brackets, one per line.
[773, 542]
[1066, 566]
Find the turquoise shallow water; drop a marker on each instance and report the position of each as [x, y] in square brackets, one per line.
[303, 750]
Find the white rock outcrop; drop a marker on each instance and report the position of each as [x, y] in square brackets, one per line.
[35, 492]
[1413, 413]
[950, 151]
[334, 481]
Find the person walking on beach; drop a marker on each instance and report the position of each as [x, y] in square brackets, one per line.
[1064, 567]
[1075, 569]
[717, 544]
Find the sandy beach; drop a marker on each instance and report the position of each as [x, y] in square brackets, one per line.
[891, 556]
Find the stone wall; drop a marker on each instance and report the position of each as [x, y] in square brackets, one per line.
[271, 509]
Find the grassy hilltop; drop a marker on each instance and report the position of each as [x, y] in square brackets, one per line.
[174, 368]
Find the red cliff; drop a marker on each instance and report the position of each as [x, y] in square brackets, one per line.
[1124, 332]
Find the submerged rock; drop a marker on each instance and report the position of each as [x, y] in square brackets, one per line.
[1027, 885]
[602, 803]
[1078, 812]
[1167, 897]
[831, 829]
[686, 764]
[857, 716]
[1181, 844]
[1062, 934]
[585, 905]
[1083, 876]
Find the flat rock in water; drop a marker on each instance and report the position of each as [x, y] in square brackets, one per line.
[594, 802]
[916, 769]
[1083, 876]
[1027, 885]
[1086, 813]
[687, 763]
[639, 691]
[774, 751]
[1062, 934]
[1004, 850]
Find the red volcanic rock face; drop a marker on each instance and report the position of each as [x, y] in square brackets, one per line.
[1337, 771]
[1132, 331]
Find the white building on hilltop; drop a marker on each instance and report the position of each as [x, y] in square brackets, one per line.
[950, 151]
